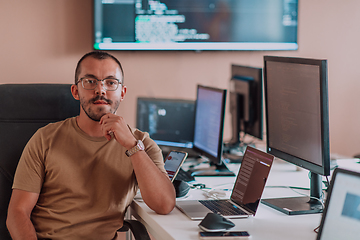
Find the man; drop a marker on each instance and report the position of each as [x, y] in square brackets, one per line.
[76, 177]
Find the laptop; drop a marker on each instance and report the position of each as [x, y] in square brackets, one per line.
[246, 194]
[341, 216]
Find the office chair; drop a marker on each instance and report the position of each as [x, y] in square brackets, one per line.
[24, 109]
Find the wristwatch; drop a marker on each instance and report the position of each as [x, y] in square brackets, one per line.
[138, 147]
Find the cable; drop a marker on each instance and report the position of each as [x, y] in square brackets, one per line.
[328, 183]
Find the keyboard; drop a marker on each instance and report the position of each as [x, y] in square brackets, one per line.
[184, 176]
[222, 207]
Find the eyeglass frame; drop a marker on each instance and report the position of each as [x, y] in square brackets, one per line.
[97, 81]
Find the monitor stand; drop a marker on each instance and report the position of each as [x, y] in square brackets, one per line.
[294, 205]
[212, 171]
[300, 205]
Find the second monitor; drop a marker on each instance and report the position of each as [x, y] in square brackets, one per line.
[246, 110]
[169, 122]
[209, 128]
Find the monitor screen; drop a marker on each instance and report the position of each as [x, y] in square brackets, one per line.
[297, 117]
[341, 218]
[209, 128]
[169, 122]
[209, 122]
[246, 102]
[195, 25]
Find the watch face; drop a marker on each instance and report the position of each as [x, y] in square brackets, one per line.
[141, 145]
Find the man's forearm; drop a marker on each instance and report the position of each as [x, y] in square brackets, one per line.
[156, 188]
[20, 226]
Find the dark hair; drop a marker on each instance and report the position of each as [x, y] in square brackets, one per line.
[97, 55]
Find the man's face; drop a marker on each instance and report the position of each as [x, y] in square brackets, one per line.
[98, 102]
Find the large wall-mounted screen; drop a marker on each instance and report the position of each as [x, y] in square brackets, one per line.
[195, 24]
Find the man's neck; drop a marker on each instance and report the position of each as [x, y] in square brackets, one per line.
[89, 126]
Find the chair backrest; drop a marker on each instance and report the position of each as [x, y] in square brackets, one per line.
[24, 109]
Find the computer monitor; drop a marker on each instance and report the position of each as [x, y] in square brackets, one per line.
[297, 124]
[209, 128]
[169, 25]
[169, 122]
[246, 103]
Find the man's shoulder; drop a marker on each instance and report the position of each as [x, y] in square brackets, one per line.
[53, 126]
[143, 136]
[138, 133]
[149, 143]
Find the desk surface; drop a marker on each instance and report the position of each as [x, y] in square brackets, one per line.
[268, 223]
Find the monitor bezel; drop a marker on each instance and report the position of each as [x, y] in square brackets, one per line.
[260, 45]
[216, 160]
[338, 173]
[324, 169]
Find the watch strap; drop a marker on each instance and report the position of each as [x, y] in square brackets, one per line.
[138, 147]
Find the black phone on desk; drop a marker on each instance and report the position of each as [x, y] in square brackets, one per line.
[173, 162]
[232, 235]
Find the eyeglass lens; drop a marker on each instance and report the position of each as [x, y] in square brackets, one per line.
[108, 83]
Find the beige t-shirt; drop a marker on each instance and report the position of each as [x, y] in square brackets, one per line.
[85, 183]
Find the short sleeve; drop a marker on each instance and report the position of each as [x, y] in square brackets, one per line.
[29, 174]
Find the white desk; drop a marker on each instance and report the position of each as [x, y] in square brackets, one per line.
[268, 224]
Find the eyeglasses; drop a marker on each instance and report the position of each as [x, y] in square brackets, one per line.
[90, 83]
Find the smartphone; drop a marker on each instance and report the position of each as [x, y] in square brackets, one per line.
[232, 235]
[173, 162]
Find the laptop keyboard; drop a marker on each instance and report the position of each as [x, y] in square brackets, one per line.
[222, 207]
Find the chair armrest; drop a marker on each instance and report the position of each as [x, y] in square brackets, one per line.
[137, 228]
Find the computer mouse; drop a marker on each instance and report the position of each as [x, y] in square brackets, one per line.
[214, 222]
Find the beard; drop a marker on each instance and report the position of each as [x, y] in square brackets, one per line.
[95, 112]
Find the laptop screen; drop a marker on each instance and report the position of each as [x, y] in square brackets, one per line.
[250, 182]
[341, 217]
